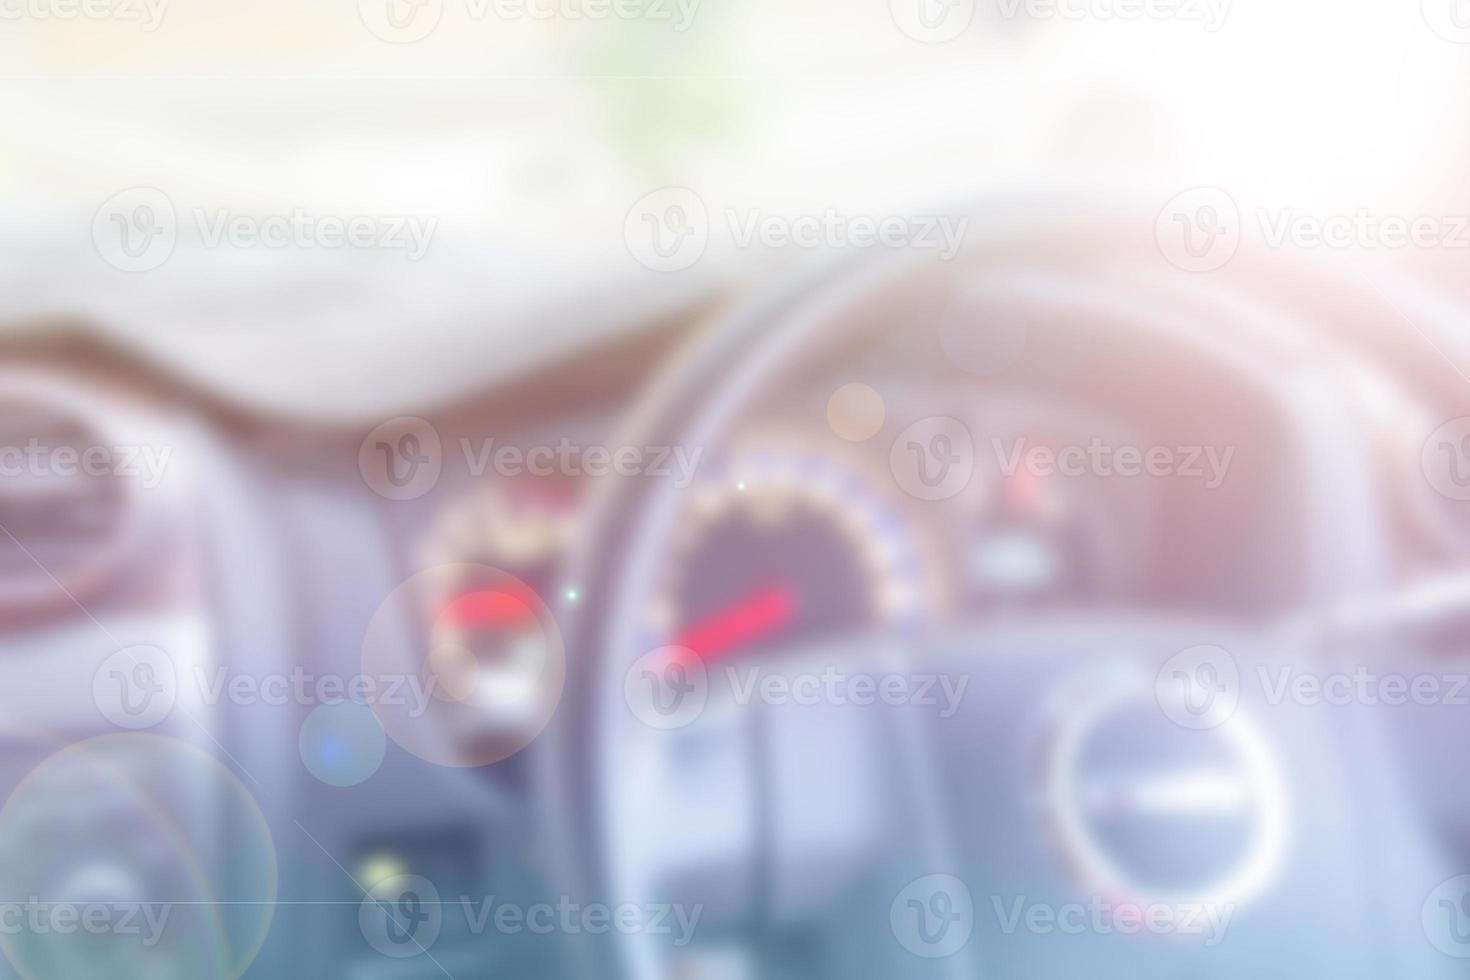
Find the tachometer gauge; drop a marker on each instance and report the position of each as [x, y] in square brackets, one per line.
[492, 559]
[779, 546]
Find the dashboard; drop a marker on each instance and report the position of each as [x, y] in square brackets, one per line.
[1030, 472]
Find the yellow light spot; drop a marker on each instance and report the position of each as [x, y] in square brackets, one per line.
[375, 869]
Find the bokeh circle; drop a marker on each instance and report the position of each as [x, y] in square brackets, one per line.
[468, 663]
[155, 839]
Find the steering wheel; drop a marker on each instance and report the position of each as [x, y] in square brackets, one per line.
[1104, 768]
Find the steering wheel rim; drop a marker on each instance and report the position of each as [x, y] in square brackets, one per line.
[689, 407]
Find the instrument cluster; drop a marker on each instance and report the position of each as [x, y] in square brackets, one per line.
[866, 506]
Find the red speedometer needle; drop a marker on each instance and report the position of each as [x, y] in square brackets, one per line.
[757, 614]
[498, 606]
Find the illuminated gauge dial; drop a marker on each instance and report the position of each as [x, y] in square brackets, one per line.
[778, 547]
[493, 560]
[487, 646]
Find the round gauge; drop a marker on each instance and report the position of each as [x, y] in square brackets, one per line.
[492, 665]
[493, 558]
[779, 546]
[487, 646]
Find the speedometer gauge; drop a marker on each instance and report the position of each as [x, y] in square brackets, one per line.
[779, 546]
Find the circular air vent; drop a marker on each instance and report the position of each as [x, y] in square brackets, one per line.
[1149, 811]
[67, 493]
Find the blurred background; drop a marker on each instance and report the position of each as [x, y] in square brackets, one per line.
[678, 488]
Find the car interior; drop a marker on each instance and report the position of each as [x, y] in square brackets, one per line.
[1079, 600]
